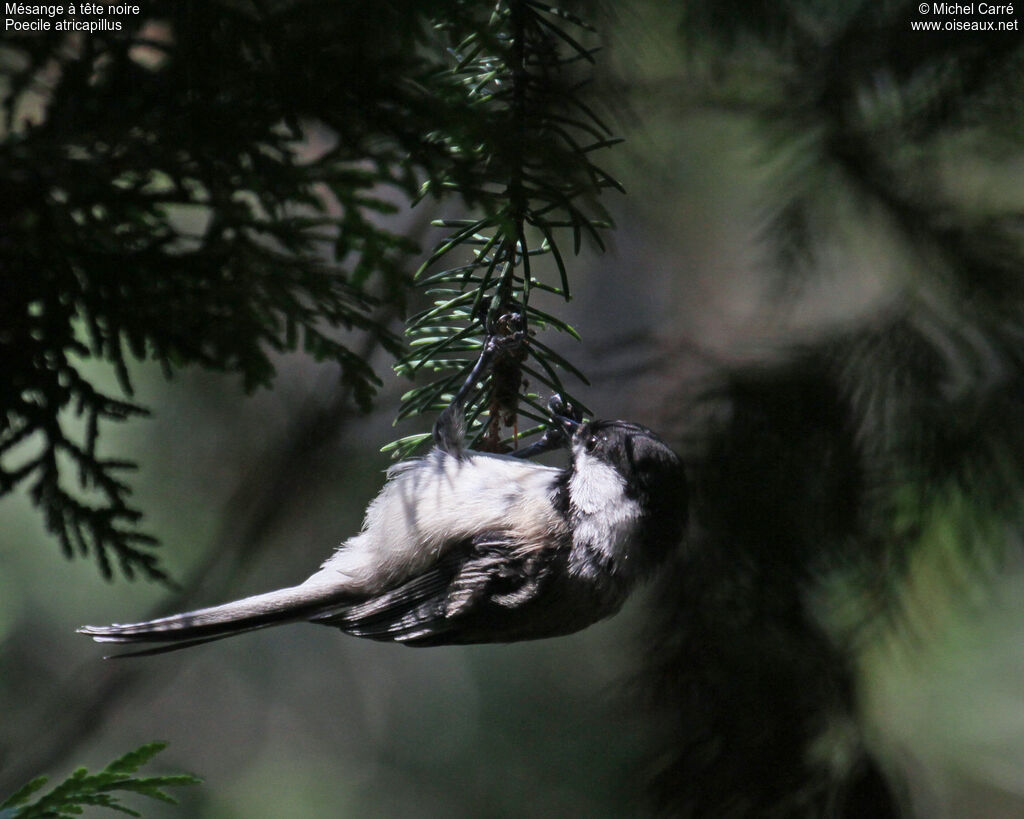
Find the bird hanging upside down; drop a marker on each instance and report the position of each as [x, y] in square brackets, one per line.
[471, 547]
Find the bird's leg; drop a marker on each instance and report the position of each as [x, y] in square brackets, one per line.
[450, 427]
[564, 419]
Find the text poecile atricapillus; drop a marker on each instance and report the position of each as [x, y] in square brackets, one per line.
[471, 547]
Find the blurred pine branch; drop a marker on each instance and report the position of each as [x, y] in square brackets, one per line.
[829, 472]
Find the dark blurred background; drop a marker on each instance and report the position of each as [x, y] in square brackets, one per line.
[814, 195]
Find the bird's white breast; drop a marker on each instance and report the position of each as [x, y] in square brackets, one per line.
[431, 503]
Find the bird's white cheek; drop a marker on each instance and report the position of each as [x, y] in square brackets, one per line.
[595, 485]
[606, 519]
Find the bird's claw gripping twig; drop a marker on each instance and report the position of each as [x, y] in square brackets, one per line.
[565, 417]
[450, 428]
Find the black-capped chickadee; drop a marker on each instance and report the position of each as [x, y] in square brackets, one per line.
[471, 547]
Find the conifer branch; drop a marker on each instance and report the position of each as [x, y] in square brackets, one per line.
[528, 171]
[83, 789]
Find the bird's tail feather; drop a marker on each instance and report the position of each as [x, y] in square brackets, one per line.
[203, 625]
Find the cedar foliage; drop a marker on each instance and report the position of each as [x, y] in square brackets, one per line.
[102, 789]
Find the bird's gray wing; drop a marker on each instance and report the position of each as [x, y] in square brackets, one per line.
[460, 599]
